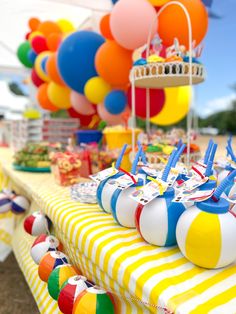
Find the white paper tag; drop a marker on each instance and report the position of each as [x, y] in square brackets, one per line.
[149, 192]
[193, 196]
[199, 167]
[193, 183]
[123, 182]
[172, 176]
[150, 171]
[104, 174]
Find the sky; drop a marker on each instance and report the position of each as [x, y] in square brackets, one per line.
[219, 58]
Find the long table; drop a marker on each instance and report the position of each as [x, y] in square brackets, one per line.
[143, 278]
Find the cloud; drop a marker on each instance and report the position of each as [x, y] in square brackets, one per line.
[215, 105]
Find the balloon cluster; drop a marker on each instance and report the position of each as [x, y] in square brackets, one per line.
[73, 292]
[88, 73]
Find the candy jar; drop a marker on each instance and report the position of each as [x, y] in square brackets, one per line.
[206, 231]
[156, 221]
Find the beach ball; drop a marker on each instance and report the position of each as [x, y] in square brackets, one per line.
[20, 204]
[43, 244]
[58, 277]
[76, 56]
[93, 301]
[205, 232]
[70, 291]
[37, 224]
[156, 222]
[5, 203]
[49, 262]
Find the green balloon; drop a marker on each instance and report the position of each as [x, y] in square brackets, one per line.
[22, 54]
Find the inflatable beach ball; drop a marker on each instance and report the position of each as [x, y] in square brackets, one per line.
[20, 204]
[206, 238]
[43, 244]
[70, 291]
[93, 301]
[5, 203]
[37, 224]
[58, 277]
[49, 262]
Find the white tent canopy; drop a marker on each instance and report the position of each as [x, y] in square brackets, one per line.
[14, 16]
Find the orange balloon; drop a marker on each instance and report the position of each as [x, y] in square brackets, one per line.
[48, 28]
[105, 27]
[113, 63]
[34, 23]
[52, 70]
[53, 41]
[172, 23]
[43, 99]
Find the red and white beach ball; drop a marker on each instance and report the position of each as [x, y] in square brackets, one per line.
[70, 291]
[20, 204]
[43, 244]
[37, 224]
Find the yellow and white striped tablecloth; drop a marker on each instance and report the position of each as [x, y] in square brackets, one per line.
[141, 276]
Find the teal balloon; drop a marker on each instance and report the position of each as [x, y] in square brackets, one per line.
[23, 54]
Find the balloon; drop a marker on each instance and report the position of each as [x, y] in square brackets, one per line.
[34, 34]
[54, 41]
[96, 89]
[113, 63]
[22, 54]
[84, 120]
[115, 102]
[34, 23]
[158, 3]
[111, 119]
[27, 35]
[81, 104]
[35, 79]
[157, 99]
[38, 66]
[39, 44]
[59, 95]
[76, 57]
[199, 20]
[52, 70]
[32, 56]
[105, 27]
[131, 22]
[176, 106]
[65, 26]
[48, 28]
[43, 99]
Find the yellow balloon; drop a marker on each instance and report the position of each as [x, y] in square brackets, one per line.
[59, 95]
[96, 89]
[32, 113]
[158, 3]
[34, 34]
[38, 65]
[65, 26]
[176, 105]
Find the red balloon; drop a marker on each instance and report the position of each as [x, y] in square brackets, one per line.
[157, 100]
[84, 120]
[35, 79]
[39, 44]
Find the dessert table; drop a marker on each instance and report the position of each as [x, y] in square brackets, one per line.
[143, 278]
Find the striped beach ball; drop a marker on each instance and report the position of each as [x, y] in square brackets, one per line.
[70, 291]
[37, 224]
[58, 277]
[5, 203]
[205, 234]
[93, 301]
[156, 222]
[50, 261]
[20, 204]
[43, 244]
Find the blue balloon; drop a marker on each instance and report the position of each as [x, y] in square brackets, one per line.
[76, 58]
[114, 1]
[115, 102]
[32, 56]
[43, 64]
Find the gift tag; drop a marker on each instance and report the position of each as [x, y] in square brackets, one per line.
[193, 183]
[193, 196]
[199, 168]
[150, 171]
[104, 174]
[149, 191]
[124, 182]
[172, 177]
